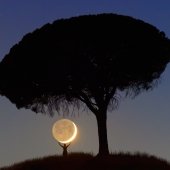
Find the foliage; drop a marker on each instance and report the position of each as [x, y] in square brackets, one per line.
[87, 58]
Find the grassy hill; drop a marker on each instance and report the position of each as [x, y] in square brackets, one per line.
[81, 161]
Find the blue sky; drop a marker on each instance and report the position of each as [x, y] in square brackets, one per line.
[141, 124]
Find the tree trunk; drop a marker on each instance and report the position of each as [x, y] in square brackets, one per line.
[102, 133]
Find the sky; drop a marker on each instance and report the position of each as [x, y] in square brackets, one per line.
[141, 124]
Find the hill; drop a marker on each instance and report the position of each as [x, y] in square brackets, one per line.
[81, 161]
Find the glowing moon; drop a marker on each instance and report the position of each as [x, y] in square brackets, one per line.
[64, 131]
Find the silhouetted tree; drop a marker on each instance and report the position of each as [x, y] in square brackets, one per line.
[89, 59]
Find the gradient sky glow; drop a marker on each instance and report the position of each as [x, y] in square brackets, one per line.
[141, 124]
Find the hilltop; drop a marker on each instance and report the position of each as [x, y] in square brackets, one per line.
[82, 161]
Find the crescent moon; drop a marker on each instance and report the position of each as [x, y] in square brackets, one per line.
[58, 127]
[72, 137]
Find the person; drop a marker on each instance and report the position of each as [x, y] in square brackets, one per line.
[64, 146]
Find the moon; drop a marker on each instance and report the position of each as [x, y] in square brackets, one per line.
[64, 131]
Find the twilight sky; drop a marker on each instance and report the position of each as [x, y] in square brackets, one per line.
[141, 124]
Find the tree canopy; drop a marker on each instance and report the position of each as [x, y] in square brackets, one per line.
[86, 57]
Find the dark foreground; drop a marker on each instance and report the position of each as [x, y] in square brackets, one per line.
[81, 161]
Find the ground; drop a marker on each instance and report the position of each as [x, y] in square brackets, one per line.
[82, 161]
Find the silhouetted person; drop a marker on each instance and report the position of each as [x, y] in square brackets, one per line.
[64, 146]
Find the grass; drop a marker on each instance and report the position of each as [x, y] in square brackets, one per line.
[83, 161]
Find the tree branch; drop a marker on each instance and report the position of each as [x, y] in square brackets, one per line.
[109, 96]
[84, 98]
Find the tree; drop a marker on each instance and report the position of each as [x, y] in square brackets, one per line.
[88, 59]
